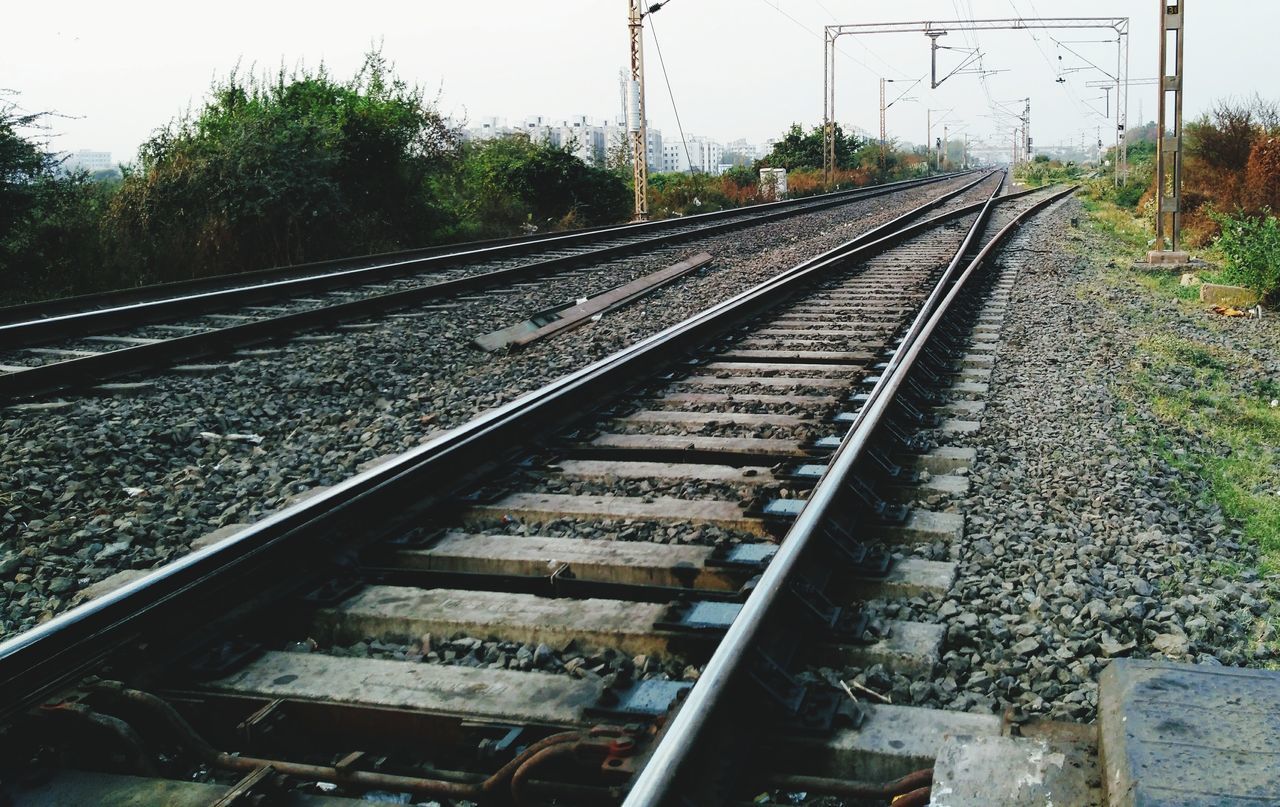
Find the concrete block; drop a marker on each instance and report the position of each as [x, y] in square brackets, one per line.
[1234, 296]
[1163, 258]
[488, 693]
[947, 459]
[984, 771]
[893, 741]
[1188, 736]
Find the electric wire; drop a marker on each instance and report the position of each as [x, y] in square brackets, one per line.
[684, 141]
[812, 32]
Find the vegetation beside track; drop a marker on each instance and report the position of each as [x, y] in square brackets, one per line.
[1201, 391]
[288, 168]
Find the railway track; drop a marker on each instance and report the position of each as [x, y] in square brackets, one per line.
[85, 341]
[638, 584]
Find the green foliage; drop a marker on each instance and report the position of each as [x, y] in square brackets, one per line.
[742, 176]
[295, 168]
[797, 149]
[280, 170]
[48, 222]
[511, 182]
[1039, 173]
[1251, 245]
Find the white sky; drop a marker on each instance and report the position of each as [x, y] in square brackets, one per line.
[739, 68]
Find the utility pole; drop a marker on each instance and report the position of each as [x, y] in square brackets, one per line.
[884, 158]
[1169, 145]
[928, 137]
[636, 125]
[946, 144]
[1026, 131]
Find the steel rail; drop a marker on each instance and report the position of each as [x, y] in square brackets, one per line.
[89, 370]
[654, 785]
[117, 297]
[46, 329]
[38, 661]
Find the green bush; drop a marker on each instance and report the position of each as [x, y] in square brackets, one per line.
[1251, 245]
[286, 169]
[511, 182]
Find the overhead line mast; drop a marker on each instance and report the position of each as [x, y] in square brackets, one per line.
[1169, 143]
[637, 127]
[934, 29]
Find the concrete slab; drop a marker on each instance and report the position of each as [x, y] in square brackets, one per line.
[856, 358]
[983, 360]
[958, 426]
[1189, 736]
[910, 648]
[805, 342]
[947, 459]
[60, 351]
[39, 406]
[698, 420]
[72, 787]
[717, 398]
[479, 693]
[107, 585]
[628, 562]
[924, 526]
[124, 389]
[892, 741]
[752, 447]
[1168, 258]
[985, 771]
[940, 485]
[122, 340]
[214, 536]
[644, 563]
[764, 367]
[963, 410]
[667, 509]
[790, 321]
[674, 471]
[910, 577]
[198, 369]
[981, 375]
[403, 612]
[406, 613]
[1234, 296]
[799, 330]
[969, 388]
[766, 381]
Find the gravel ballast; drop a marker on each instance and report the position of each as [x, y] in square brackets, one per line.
[105, 484]
[1082, 544]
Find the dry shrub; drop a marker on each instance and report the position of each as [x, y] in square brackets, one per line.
[1262, 181]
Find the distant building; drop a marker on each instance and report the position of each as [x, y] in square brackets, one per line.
[86, 160]
[696, 153]
[740, 152]
[589, 141]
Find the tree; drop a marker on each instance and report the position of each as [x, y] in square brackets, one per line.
[512, 181]
[49, 234]
[798, 150]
